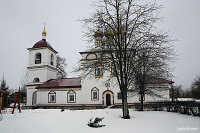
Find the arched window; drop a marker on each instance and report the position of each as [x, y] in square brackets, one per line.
[38, 58]
[71, 97]
[52, 59]
[91, 56]
[36, 80]
[52, 97]
[94, 94]
[34, 98]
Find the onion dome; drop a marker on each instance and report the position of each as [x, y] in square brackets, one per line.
[98, 33]
[109, 32]
[42, 43]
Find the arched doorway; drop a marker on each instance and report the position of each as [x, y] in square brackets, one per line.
[34, 98]
[108, 98]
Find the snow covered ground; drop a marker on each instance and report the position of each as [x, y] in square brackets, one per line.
[75, 121]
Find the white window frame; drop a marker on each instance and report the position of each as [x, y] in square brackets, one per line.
[38, 58]
[98, 72]
[71, 93]
[50, 97]
[95, 98]
[94, 90]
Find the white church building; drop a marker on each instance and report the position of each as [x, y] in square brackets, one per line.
[45, 90]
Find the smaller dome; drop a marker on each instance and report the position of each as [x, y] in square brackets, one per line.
[42, 43]
[109, 32]
[98, 33]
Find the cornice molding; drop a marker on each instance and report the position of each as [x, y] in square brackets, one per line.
[43, 66]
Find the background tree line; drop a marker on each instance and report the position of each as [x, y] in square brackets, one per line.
[192, 92]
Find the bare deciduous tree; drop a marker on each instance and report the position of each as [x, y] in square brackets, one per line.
[123, 29]
[152, 63]
[24, 82]
[60, 66]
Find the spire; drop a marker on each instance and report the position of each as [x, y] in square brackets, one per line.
[3, 77]
[44, 33]
[3, 83]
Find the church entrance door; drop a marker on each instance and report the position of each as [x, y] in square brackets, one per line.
[108, 100]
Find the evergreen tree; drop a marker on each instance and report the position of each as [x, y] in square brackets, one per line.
[5, 95]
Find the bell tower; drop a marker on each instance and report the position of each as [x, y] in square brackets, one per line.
[41, 67]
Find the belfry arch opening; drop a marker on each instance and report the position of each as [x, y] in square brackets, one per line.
[38, 58]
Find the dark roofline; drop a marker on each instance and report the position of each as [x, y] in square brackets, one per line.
[160, 81]
[74, 86]
[94, 50]
[50, 48]
[72, 78]
[78, 86]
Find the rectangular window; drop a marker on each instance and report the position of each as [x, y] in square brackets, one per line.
[52, 99]
[98, 71]
[119, 95]
[71, 98]
[95, 95]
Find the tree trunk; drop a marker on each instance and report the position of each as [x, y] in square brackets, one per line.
[141, 102]
[125, 109]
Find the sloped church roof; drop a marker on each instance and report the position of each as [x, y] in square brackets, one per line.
[61, 83]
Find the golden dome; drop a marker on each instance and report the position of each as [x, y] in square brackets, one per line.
[109, 32]
[98, 33]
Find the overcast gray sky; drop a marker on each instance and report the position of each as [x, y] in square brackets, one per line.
[21, 25]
